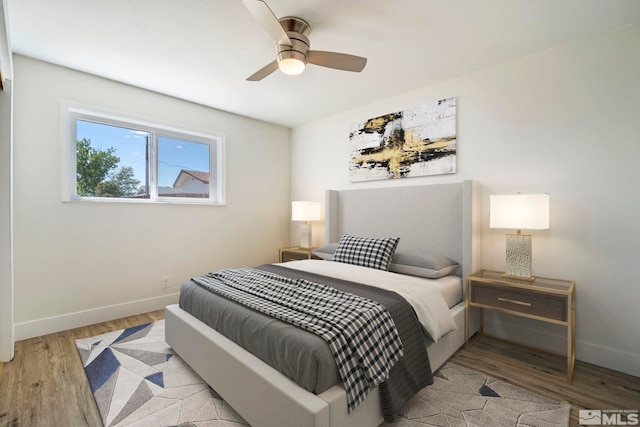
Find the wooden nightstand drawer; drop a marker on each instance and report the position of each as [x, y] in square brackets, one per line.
[291, 256]
[296, 253]
[536, 304]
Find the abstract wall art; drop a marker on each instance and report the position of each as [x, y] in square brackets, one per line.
[415, 142]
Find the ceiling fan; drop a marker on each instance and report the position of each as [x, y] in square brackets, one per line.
[292, 45]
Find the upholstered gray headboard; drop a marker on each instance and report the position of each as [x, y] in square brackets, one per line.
[438, 218]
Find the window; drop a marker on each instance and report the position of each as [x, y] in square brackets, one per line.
[112, 157]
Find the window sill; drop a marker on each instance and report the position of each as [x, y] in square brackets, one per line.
[161, 201]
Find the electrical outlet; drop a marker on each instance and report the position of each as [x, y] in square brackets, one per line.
[164, 281]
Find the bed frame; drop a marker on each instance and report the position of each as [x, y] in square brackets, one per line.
[438, 218]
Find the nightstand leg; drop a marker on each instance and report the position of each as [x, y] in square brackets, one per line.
[467, 317]
[571, 338]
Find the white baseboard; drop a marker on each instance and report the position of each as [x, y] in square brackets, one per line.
[63, 322]
[585, 351]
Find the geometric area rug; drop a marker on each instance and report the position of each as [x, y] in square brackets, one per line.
[137, 380]
[464, 397]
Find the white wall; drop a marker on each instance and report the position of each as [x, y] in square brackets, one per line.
[74, 259]
[565, 121]
[6, 221]
[6, 197]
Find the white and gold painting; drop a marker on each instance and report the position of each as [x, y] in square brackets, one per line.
[415, 142]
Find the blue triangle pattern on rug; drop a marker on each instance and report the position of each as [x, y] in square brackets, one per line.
[487, 391]
[157, 379]
[130, 331]
[101, 369]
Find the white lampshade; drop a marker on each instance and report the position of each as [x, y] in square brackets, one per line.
[305, 211]
[519, 211]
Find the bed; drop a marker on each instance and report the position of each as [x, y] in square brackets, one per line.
[428, 218]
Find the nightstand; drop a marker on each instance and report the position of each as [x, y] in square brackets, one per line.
[543, 299]
[295, 253]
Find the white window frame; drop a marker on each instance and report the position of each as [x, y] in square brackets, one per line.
[72, 112]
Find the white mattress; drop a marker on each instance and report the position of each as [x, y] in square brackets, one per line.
[450, 287]
[427, 296]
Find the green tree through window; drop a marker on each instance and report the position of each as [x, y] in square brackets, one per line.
[97, 173]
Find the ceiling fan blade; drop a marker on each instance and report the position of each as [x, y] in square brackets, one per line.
[263, 72]
[339, 61]
[267, 20]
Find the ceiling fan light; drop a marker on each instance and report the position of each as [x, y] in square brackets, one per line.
[291, 66]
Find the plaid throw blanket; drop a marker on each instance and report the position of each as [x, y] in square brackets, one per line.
[360, 333]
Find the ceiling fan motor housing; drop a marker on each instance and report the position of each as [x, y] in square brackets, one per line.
[297, 29]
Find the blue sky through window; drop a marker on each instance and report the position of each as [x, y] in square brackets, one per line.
[130, 146]
[175, 155]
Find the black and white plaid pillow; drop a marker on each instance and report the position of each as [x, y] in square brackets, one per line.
[366, 251]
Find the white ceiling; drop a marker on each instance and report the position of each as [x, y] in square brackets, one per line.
[203, 50]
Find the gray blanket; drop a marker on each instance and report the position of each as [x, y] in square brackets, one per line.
[302, 356]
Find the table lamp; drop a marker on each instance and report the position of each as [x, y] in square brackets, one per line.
[305, 211]
[519, 212]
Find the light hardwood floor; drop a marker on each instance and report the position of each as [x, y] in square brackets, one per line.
[45, 384]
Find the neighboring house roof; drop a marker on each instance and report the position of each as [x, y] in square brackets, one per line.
[200, 176]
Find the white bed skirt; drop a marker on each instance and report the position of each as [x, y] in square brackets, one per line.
[265, 397]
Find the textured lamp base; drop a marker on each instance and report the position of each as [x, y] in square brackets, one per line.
[518, 262]
[305, 236]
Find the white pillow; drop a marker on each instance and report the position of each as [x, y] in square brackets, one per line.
[326, 252]
[430, 266]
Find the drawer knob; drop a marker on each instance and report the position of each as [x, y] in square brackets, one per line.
[526, 304]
